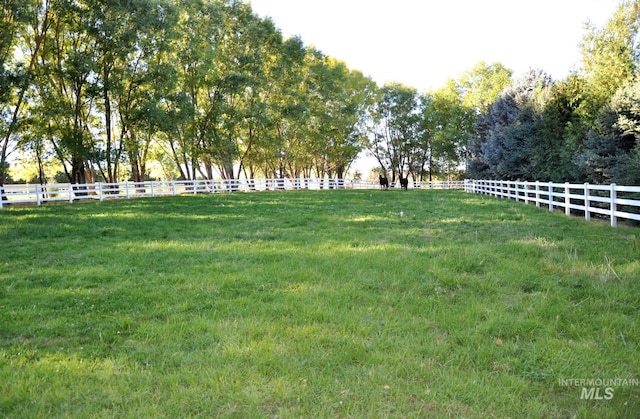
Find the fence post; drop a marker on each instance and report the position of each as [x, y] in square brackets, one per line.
[567, 199]
[537, 193]
[100, 191]
[613, 206]
[587, 212]
[550, 196]
[70, 194]
[126, 189]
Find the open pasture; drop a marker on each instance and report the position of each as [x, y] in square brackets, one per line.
[345, 303]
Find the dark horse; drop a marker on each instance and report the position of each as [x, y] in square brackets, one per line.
[404, 183]
[384, 182]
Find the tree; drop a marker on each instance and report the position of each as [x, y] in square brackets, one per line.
[612, 150]
[449, 126]
[259, 61]
[561, 132]
[24, 25]
[506, 132]
[480, 87]
[67, 90]
[147, 84]
[396, 122]
[196, 104]
[340, 97]
[280, 148]
[609, 57]
[130, 39]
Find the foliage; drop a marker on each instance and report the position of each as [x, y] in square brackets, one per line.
[611, 152]
[579, 129]
[481, 86]
[207, 86]
[447, 124]
[505, 134]
[209, 82]
[476, 91]
[396, 122]
[610, 56]
[15, 76]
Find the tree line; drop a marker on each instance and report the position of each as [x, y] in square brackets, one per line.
[585, 128]
[203, 87]
[97, 90]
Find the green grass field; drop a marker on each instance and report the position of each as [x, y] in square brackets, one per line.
[316, 304]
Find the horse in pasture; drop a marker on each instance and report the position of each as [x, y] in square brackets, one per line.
[404, 183]
[384, 182]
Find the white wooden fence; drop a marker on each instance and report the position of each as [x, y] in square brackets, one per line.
[611, 201]
[39, 194]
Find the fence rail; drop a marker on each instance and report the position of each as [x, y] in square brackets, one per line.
[40, 194]
[611, 201]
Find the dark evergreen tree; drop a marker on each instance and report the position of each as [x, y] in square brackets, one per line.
[501, 147]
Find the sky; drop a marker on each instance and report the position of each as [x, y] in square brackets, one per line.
[423, 43]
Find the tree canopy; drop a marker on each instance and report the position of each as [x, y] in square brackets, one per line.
[206, 88]
[580, 129]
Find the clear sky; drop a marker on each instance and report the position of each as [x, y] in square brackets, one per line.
[422, 43]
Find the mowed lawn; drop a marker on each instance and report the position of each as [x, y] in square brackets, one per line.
[336, 303]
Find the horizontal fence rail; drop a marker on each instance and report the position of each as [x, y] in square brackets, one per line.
[609, 201]
[70, 192]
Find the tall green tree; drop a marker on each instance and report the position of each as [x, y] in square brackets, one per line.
[609, 57]
[561, 132]
[67, 90]
[280, 148]
[340, 98]
[23, 27]
[128, 36]
[507, 132]
[450, 124]
[196, 104]
[397, 123]
[148, 82]
[611, 151]
[252, 64]
[480, 87]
